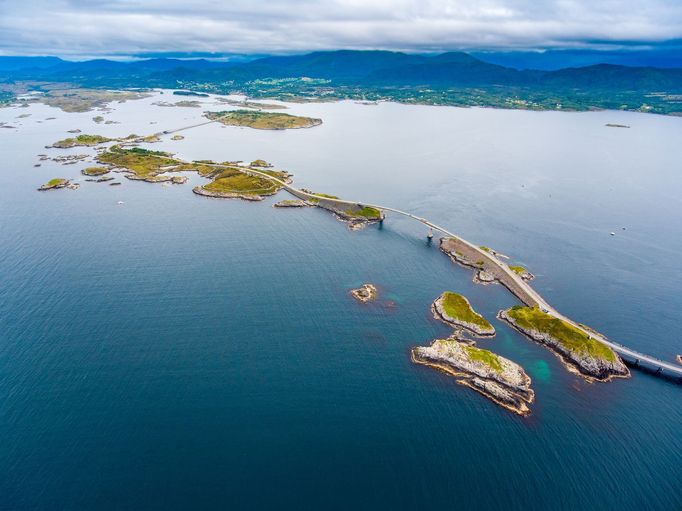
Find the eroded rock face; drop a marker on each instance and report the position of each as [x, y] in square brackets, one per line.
[590, 367]
[495, 377]
[365, 293]
[199, 190]
[296, 203]
[484, 277]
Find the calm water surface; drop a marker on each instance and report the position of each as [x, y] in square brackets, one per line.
[178, 352]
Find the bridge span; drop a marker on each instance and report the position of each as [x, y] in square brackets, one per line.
[510, 279]
[632, 356]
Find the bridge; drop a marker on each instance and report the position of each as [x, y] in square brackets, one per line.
[530, 295]
[510, 279]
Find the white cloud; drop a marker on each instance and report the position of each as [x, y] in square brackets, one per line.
[70, 27]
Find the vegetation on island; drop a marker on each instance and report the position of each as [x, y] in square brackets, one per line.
[95, 171]
[184, 103]
[57, 182]
[262, 120]
[570, 337]
[519, 270]
[459, 308]
[141, 162]
[251, 104]
[484, 357]
[188, 104]
[83, 100]
[495, 377]
[365, 212]
[235, 181]
[81, 141]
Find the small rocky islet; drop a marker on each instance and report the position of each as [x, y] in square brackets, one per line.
[495, 377]
[365, 293]
[455, 310]
[55, 184]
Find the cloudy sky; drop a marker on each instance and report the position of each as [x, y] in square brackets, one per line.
[109, 27]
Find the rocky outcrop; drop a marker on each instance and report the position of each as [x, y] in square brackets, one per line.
[440, 314]
[495, 377]
[583, 364]
[484, 277]
[473, 257]
[199, 190]
[55, 184]
[288, 203]
[365, 293]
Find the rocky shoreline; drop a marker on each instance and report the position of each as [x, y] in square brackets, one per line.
[365, 293]
[199, 190]
[439, 313]
[289, 203]
[176, 180]
[504, 382]
[589, 367]
[57, 183]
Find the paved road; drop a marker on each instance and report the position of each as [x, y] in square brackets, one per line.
[624, 351]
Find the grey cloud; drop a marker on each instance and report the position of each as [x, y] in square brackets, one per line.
[78, 27]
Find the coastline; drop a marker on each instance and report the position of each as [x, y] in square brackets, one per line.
[580, 365]
[440, 314]
[513, 396]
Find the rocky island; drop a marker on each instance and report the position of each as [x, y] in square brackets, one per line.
[81, 141]
[456, 311]
[291, 203]
[262, 120]
[493, 376]
[579, 352]
[365, 293]
[95, 171]
[54, 184]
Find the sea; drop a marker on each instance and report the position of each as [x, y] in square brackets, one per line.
[162, 350]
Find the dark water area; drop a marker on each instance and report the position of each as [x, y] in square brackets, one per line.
[178, 352]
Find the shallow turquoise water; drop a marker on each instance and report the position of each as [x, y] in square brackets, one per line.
[178, 352]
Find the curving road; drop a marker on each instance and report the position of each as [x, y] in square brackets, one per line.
[634, 356]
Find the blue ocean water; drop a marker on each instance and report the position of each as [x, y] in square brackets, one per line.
[178, 352]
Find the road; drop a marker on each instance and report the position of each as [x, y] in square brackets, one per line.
[635, 356]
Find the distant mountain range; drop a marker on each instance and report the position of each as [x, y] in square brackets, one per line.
[370, 72]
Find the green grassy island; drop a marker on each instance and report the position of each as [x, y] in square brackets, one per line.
[143, 163]
[578, 350]
[455, 310]
[263, 120]
[55, 183]
[233, 182]
[95, 171]
[81, 141]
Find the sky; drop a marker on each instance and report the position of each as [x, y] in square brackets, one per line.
[71, 28]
